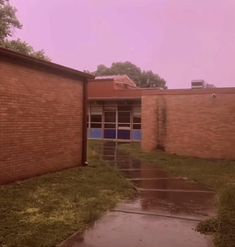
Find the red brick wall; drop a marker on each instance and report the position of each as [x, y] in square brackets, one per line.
[106, 89]
[149, 122]
[40, 121]
[192, 124]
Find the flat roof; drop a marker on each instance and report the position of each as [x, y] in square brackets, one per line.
[113, 98]
[42, 63]
[187, 91]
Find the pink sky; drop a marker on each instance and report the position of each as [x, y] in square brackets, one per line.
[180, 40]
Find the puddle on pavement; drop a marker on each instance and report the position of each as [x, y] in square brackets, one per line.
[143, 173]
[159, 191]
[118, 229]
[164, 214]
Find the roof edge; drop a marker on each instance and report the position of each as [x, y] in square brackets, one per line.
[42, 63]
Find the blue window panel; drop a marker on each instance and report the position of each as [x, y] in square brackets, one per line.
[96, 133]
[124, 134]
[136, 135]
[110, 133]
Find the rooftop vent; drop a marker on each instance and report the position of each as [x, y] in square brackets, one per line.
[198, 84]
[201, 84]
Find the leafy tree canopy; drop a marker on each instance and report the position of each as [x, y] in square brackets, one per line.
[23, 48]
[141, 77]
[8, 22]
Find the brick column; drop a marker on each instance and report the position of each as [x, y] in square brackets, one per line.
[149, 123]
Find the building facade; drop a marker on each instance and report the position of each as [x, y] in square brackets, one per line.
[112, 114]
[42, 117]
[193, 122]
[114, 120]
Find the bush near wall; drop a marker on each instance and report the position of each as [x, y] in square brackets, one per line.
[225, 235]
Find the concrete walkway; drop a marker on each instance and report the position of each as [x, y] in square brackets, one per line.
[164, 215]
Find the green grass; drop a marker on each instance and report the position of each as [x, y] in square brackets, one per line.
[43, 211]
[225, 234]
[216, 174]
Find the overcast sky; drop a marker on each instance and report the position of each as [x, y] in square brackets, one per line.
[181, 40]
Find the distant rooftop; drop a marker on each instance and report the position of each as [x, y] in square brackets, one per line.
[106, 77]
[119, 79]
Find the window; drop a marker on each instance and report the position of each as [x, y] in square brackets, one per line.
[96, 117]
[109, 125]
[136, 117]
[96, 110]
[110, 133]
[136, 126]
[110, 117]
[124, 117]
[96, 125]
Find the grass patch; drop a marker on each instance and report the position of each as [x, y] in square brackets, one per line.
[222, 227]
[208, 226]
[216, 174]
[43, 211]
[225, 234]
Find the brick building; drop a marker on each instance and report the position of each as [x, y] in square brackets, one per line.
[193, 122]
[42, 116]
[114, 109]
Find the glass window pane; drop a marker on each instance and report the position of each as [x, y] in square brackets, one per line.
[96, 125]
[96, 110]
[124, 125]
[136, 110]
[136, 135]
[124, 117]
[110, 133]
[124, 134]
[96, 118]
[110, 126]
[96, 133]
[136, 119]
[110, 117]
[136, 126]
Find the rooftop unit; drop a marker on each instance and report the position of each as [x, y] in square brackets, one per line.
[198, 84]
[195, 84]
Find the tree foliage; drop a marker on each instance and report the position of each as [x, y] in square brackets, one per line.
[141, 77]
[8, 19]
[8, 22]
[23, 48]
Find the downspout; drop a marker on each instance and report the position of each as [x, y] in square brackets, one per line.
[84, 126]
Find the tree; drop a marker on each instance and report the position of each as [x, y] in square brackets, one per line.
[23, 48]
[141, 78]
[8, 22]
[149, 79]
[8, 19]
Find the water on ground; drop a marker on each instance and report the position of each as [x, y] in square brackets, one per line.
[164, 214]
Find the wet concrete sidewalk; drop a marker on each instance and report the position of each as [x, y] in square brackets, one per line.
[165, 213]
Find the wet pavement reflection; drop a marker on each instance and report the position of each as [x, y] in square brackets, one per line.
[164, 214]
[159, 191]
